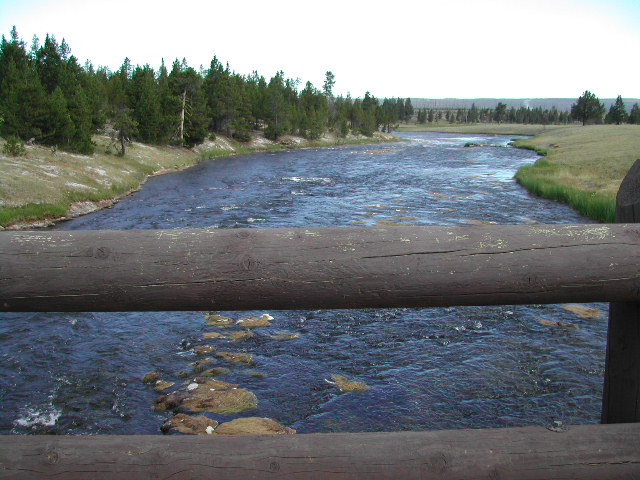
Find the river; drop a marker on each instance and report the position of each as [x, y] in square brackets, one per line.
[440, 368]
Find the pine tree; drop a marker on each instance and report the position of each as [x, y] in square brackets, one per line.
[634, 115]
[588, 108]
[617, 112]
[62, 126]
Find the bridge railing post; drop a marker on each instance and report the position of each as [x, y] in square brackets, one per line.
[621, 395]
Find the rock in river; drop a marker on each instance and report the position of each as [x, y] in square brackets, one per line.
[209, 395]
[217, 320]
[346, 385]
[253, 426]
[245, 358]
[182, 423]
[254, 322]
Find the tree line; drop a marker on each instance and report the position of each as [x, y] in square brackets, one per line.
[48, 98]
[498, 114]
[587, 109]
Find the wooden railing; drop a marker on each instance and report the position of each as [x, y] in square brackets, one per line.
[309, 268]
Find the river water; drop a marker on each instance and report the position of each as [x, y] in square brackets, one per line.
[466, 367]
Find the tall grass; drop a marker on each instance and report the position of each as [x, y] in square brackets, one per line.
[539, 180]
[30, 212]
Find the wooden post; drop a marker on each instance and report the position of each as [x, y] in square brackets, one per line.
[621, 396]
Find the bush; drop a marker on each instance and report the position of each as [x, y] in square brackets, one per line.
[14, 146]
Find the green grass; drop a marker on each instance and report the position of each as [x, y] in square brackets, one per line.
[583, 166]
[30, 212]
[541, 180]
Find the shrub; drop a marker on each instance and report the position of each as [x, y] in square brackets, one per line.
[14, 146]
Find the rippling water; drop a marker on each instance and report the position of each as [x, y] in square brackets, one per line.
[426, 368]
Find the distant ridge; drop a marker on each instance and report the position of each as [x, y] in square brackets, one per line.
[561, 104]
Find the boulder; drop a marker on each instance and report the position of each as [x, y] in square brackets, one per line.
[215, 372]
[346, 385]
[215, 396]
[162, 385]
[245, 358]
[284, 336]
[210, 335]
[255, 322]
[203, 349]
[151, 377]
[217, 320]
[182, 423]
[558, 324]
[582, 311]
[240, 336]
[253, 426]
[202, 365]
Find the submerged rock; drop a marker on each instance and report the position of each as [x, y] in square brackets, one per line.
[210, 335]
[245, 358]
[240, 336]
[215, 372]
[552, 323]
[218, 320]
[346, 385]
[182, 423]
[209, 395]
[151, 377]
[162, 385]
[284, 336]
[203, 349]
[202, 365]
[254, 322]
[582, 311]
[253, 426]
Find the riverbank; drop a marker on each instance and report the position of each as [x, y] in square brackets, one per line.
[581, 166]
[45, 186]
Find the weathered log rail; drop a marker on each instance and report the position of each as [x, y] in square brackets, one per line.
[343, 268]
[310, 268]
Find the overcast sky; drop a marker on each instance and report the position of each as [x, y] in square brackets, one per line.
[433, 49]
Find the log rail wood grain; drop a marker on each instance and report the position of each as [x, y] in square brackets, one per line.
[581, 452]
[310, 268]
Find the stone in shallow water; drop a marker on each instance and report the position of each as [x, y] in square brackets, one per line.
[210, 335]
[284, 336]
[245, 358]
[254, 322]
[240, 336]
[151, 377]
[552, 323]
[182, 423]
[203, 349]
[205, 394]
[253, 426]
[162, 385]
[216, 372]
[346, 385]
[217, 320]
[582, 311]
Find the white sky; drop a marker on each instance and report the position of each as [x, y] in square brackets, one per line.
[425, 48]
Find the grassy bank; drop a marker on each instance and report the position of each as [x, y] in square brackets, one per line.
[583, 166]
[47, 185]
